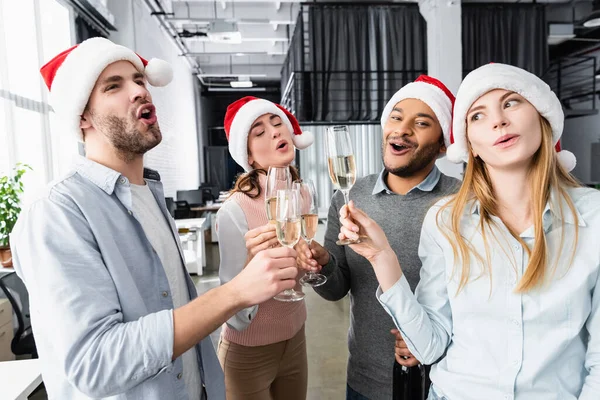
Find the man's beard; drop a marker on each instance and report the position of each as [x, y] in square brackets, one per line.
[125, 137]
[420, 159]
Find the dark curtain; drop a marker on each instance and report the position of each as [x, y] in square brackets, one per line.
[358, 56]
[515, 34]
[367, 38]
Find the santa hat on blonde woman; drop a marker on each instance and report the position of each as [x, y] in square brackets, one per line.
[72, 75]
[507, 77]
[240, 116]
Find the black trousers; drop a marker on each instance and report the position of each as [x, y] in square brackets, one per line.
[411, 383]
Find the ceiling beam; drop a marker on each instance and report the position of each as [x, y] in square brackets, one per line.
[265, 70]
[250, 33]
[242, 59]
[236, 2]
[192, 11]
[246, 47]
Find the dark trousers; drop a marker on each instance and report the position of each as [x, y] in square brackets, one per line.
[411, 384]
[352, 394]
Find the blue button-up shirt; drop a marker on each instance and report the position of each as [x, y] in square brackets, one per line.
[496, 343]
[100, 303]
[427, 185]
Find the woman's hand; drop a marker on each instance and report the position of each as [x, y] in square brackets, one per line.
[261, 238]
[373, 245]
[356, 224]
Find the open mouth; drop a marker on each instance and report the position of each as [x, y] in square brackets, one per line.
[147, 114]
[400, 148]
[282, 145]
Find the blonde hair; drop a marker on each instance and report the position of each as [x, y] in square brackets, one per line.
[545, 175]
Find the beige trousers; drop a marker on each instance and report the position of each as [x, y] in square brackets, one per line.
[276, 371]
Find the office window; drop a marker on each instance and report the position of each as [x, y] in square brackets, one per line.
[31, 32]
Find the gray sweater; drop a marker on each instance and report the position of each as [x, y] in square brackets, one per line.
[370, 343]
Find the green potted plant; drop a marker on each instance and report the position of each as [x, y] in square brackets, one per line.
[11, 189]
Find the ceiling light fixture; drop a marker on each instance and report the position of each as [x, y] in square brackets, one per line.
[224, 32]
[593, 20]
[242, 82]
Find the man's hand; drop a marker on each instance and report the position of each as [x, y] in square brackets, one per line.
[313, 258]
[268, 273]
[403, 356]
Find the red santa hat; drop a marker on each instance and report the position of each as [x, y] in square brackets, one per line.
[502, 76]
[72, 75]
[430, 91]
[240, 116]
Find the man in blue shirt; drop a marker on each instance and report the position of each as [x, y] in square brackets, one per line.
[113, 311]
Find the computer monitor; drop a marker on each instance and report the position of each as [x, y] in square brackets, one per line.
[193, 197]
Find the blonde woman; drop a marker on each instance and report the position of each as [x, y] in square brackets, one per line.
[263, 347]
[509, 294]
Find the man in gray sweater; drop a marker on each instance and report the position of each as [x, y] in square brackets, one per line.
[416, 131]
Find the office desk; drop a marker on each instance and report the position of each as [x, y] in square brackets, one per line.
[213, 207]
[199, 249]
[18, 379]
[210, 213]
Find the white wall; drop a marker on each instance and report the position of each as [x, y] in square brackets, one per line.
[176, 158]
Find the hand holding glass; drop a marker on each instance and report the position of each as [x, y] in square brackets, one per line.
[287, 220]
[309, 220]
[342, 167]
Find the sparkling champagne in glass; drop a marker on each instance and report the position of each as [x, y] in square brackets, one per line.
[287, 220]
[342, 166]
[309, 221]
[278, 178]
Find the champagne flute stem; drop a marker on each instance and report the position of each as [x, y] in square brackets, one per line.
[346, 194]
[309, 241]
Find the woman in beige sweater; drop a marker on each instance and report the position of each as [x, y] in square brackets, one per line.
[262, 348]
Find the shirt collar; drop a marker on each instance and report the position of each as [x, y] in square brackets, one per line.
[427, 185]
[100, 175]
[106, 178]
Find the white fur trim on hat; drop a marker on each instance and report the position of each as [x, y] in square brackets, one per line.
[240, 128]
[429, 94]
[76, 77]
[501, 76]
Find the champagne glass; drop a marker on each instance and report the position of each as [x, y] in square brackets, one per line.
[277, 178]
[287, 220]
[342, 167]
[309, 220]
